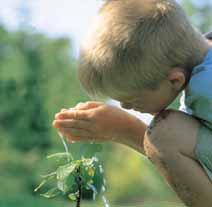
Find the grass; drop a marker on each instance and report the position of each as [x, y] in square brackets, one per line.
[30, 201]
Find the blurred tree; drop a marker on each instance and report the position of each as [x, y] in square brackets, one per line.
[37, 79]
[200, 13]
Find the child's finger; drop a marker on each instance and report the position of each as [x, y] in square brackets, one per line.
[72, 123]
[72, 114]
[88, 105]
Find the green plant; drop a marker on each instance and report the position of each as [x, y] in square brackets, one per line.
[71, 176]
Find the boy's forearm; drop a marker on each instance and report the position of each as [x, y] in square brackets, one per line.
[135, 138]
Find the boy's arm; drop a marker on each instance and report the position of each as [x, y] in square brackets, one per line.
[137, 129]
[96, 121]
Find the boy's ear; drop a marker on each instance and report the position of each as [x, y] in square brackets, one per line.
[177, 78]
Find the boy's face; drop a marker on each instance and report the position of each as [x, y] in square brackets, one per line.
[151, 101]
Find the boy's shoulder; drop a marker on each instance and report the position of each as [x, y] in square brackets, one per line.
[197, 97]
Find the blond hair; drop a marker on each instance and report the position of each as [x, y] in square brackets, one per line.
[133, 46]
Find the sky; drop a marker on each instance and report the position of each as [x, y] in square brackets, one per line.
[53, 17]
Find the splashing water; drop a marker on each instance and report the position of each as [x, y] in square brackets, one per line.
[103, 189]
[66, 147]
[93, 188]
[105, 201]
[101, 169]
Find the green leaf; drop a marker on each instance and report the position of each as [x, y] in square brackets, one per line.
[71, 181]
[62, 186]
[46, 178]
[91, 172]
[51, 193]
[65, 170]
[72, 196]
[49, 175]
[61, 155]
[40, 185]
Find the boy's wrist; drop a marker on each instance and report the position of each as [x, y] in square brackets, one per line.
[135, 134]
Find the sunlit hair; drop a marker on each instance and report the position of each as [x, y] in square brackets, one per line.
[134, 44]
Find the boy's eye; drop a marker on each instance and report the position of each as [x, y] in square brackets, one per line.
[125, 105]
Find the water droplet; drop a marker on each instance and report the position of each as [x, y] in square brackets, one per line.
[105, 201]
[103, 189]
[101, 169]
[93, 188]
[95, 159]
[64, 144]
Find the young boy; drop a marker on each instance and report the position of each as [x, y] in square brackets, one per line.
[143, 53]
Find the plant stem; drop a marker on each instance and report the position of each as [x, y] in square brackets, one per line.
[79, 185]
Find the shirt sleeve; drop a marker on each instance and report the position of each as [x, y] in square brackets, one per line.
[202, 109]
[199, 96]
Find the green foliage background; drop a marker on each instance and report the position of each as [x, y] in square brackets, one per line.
[37, 79]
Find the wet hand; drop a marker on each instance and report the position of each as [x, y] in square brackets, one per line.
[94, 121]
